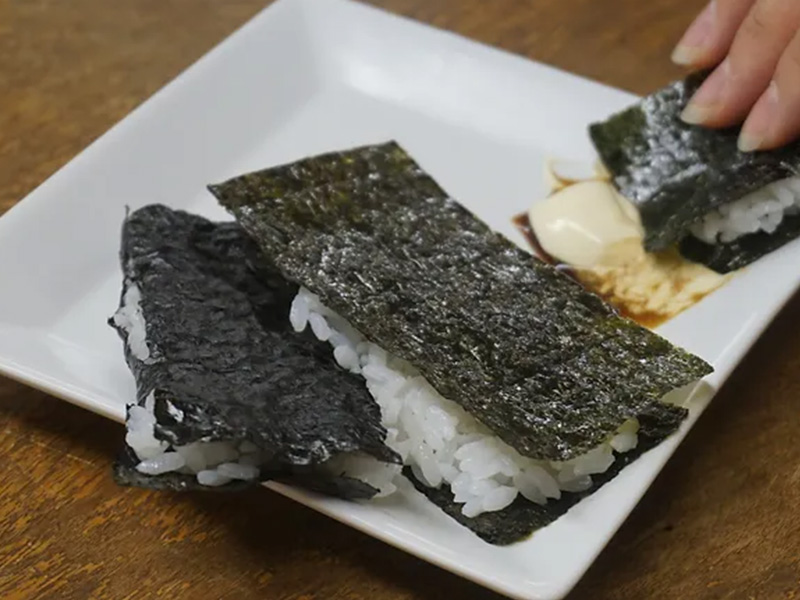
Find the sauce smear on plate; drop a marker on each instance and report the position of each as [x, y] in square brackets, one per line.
[591, 233]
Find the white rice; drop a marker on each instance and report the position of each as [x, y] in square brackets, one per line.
[438, 440]
[213, 463]
[130, 319]
[434, 436]
[762, 210]
[216, 463]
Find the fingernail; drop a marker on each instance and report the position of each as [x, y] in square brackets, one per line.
[705, 103]
[694, 42]
[758, 125]
[697, 115]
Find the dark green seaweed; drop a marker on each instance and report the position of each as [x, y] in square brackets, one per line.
[223, 353]
[547, 365]
[675, 173]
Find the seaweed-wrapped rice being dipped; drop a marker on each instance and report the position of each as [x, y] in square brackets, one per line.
[692, 186]
[509, 391]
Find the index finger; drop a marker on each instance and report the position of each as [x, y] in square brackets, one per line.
[709, 37]
[733, 88]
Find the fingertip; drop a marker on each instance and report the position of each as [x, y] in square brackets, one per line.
[698, 114]
[748, 143]
[682, 56]
[686, 56]
[693, 57]
[705, 41]
[707, 104]
[778, 109]
[761, 129]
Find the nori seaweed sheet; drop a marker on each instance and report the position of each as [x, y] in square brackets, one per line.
[522, 517]
[545, 364]
[675, 173]
[223, 353]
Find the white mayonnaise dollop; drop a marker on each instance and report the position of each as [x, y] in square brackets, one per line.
[578, 223]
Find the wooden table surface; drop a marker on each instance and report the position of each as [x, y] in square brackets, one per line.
[722, 521]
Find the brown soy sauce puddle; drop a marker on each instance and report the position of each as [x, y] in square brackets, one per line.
[593, 282]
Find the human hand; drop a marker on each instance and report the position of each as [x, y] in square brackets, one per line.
[755, 46]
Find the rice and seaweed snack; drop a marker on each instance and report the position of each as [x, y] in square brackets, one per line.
[228, 393]
[694, 188]
[509, 391]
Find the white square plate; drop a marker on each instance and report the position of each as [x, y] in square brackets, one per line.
[307, 76]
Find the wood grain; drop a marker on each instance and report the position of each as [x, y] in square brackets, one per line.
[722, 521]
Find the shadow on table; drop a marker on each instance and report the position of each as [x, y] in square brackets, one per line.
[296, 544]
[258, 529]
[718, 480]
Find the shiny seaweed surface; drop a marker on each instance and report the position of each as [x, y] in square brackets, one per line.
[548, 366]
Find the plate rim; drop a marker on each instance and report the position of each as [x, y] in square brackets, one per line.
[25, 207]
